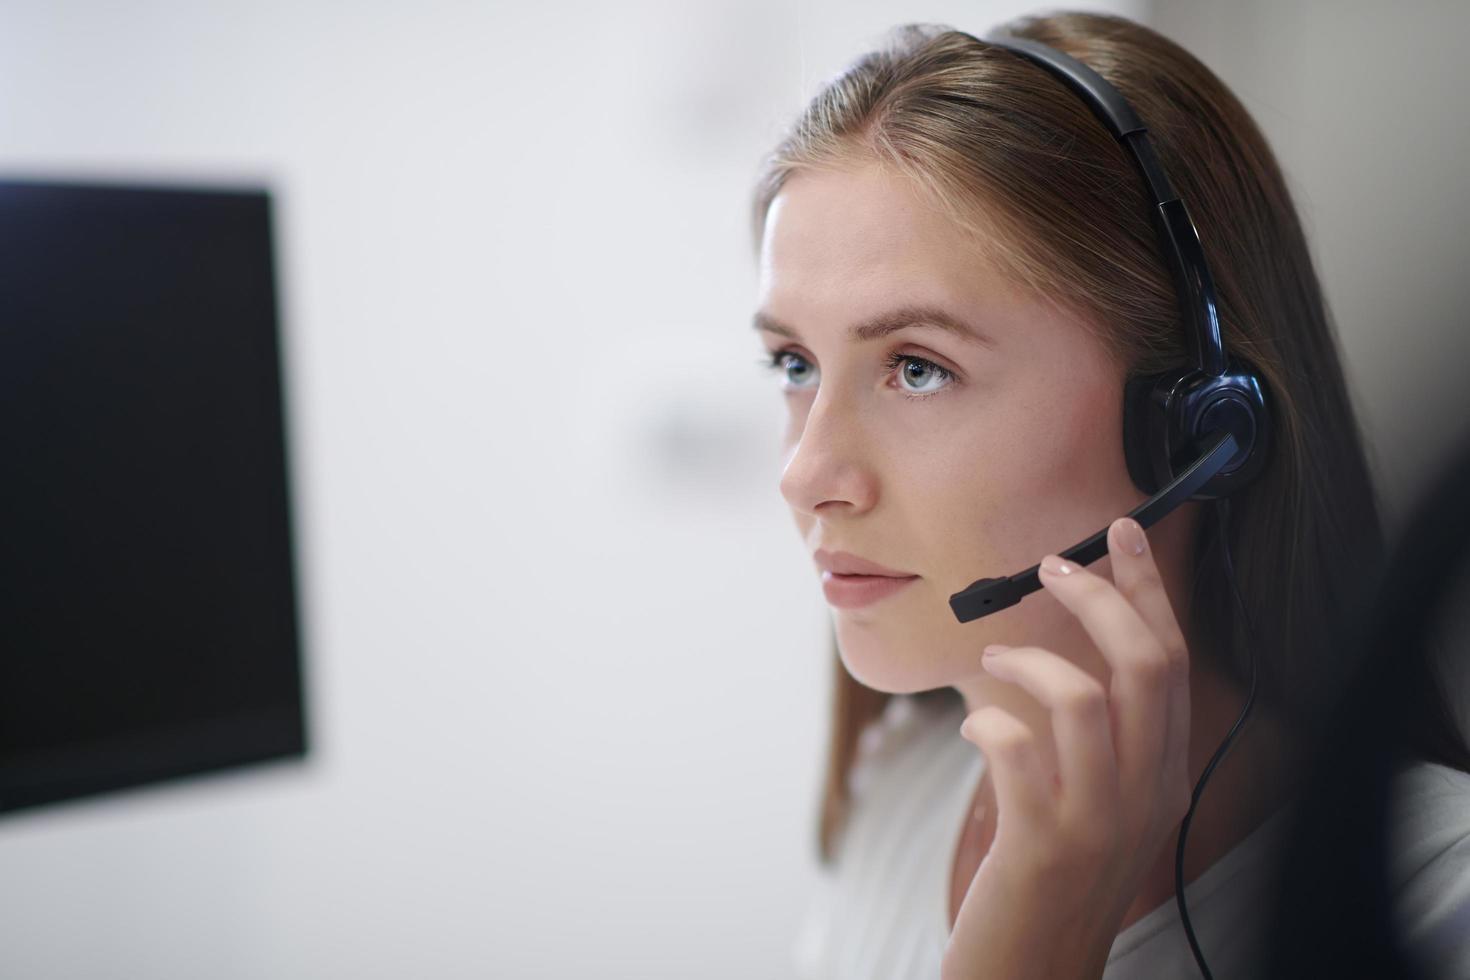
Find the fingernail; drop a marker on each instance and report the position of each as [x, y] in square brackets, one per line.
[1132, 536]
[1053, 565]
[995, 648]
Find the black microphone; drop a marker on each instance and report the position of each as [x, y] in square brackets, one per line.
[988, 595]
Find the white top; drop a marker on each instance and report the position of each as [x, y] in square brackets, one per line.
[882, 909]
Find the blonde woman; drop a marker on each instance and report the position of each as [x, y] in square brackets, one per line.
[958, 277]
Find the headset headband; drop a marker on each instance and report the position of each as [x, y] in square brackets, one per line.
[1177, 235]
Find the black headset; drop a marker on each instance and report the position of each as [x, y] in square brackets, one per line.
[1198, 432]
[1175, 424]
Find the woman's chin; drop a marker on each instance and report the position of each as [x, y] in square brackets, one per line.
[885, 666]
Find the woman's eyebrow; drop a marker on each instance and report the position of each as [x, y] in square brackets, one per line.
[886, 323]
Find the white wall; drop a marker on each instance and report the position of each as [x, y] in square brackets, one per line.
[566, 658]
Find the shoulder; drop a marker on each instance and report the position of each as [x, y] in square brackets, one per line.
[1430, 848]
[1430, 816]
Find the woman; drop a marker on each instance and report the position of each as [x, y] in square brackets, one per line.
[957, 277]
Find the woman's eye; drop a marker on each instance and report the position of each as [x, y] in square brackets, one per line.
[797, 370]
[920, 372]
[925, 376]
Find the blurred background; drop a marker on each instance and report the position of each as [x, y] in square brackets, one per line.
[565, 660]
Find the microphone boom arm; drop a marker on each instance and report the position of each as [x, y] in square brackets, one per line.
[988, 595]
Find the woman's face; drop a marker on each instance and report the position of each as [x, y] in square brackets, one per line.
[968, 459]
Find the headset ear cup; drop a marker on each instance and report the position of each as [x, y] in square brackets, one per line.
[1137, 429]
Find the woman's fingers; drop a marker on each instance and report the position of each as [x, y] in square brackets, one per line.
[1120, 746]
[1080, 721]
[1023, 780]
[1139, 686]
[1136, 575]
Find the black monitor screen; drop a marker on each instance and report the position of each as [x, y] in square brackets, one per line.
[148, 617]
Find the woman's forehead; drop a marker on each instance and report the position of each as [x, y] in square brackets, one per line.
[840, 246]
[846, 242]
[864, 235]
[861, 221]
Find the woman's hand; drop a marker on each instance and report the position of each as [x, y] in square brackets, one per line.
[1073, 839]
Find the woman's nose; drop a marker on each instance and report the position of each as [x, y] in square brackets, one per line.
[829, 467]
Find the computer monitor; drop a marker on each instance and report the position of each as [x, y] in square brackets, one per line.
[148, 600]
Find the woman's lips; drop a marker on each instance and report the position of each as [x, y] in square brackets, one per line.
[853, 591]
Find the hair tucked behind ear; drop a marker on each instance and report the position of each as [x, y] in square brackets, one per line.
[1020, 161]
